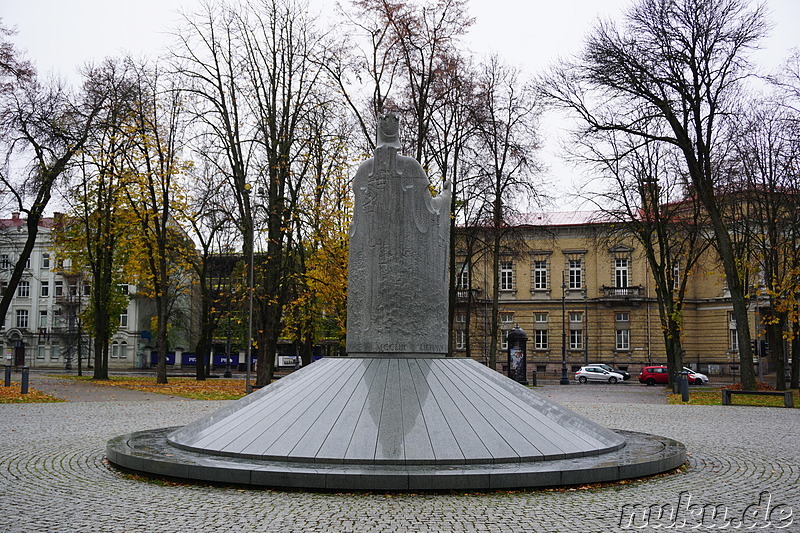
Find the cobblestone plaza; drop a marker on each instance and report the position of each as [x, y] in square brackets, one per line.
[743, 462]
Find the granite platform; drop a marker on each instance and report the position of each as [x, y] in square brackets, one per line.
[395, 424]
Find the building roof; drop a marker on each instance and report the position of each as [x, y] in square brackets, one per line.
[562, 218]
[16, 221]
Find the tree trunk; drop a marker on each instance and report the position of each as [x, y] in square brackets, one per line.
[778, 353]
[731, 266]
[795, 384]
[495, 318]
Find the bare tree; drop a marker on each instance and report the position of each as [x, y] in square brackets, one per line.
[505, 118]
[764, 206]
[676, 65]
[643, 196]
[42, 128]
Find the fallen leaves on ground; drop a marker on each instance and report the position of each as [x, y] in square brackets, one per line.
[13, 394]
[209, 389]
[714, 397]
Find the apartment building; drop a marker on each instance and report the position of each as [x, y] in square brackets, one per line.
[567, 280]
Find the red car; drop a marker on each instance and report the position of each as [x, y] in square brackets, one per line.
[654, 374]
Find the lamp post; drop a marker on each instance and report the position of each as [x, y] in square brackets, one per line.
[586, 327]
[251, 236]
[564, 378]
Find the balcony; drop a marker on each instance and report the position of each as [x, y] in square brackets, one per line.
[622, 294]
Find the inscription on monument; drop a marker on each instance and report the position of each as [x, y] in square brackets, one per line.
[397, 278]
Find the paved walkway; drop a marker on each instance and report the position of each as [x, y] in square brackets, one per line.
[54, 478]
[86, 391]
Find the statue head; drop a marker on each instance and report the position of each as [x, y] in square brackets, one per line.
[388, 131]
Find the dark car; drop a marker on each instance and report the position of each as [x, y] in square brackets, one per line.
[625, 375]
[651, 375]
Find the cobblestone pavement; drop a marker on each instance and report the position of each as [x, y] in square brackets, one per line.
[53, 478]
[82, 391]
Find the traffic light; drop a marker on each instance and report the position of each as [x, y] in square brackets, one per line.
[754, 347]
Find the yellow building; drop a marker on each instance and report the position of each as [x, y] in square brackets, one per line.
[571, 276]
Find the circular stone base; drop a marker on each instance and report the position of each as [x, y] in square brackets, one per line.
[149, 452]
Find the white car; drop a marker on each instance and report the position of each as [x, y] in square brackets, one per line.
[596, 373]
[695, 377]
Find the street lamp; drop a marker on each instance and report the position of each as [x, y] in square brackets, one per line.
[251, 236]
[564, 378]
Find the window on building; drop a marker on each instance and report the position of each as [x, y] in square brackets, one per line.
[55, 351]
[504, 339]
[87, 289]
[506, 275]
[58, 288]
[44, 289]
[461, 318]
[462, 278]
[45, 260]
[123, 350]
[575, 273]
[623, 339]
[676, 275]
[733, 333]
[623, 317]
[5, 262]
[621, 273]
[73, 289]
[576, 339]
[40, 352]
[115, 349]
[507, 319]
[540, 339]
[24, 289]
[22, 318]
[540, 331]
[575, 331]
[123, 319]
[540, 274]
[28, 262]
[461, 339]
[43, 319]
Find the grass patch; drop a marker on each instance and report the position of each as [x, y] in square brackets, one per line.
[714, 397]
[13, 394]
[210, 389]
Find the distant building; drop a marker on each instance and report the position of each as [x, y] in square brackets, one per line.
[42, 328]
[611, 311]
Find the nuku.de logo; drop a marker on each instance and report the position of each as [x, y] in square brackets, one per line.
[687, 515]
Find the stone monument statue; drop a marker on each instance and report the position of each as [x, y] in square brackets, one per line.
[397, 278]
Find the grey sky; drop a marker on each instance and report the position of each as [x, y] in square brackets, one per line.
[61, 35]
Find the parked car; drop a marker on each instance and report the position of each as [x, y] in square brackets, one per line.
[696, 377]
[650, 375]
[625, 375]
[595, 373]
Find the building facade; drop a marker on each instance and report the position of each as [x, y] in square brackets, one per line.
[569, 281]
[42, 328]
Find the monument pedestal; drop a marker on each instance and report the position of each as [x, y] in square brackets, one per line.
[396, 424]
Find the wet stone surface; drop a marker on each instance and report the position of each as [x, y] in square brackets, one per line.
[54, 477]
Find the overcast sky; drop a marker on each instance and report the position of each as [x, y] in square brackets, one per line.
[61, 35]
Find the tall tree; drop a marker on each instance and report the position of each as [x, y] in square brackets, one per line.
[505, 119]
[44, 127]
[643, 196]
[95, 233]
[677, 64]
[764, 199]
[154, 192]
